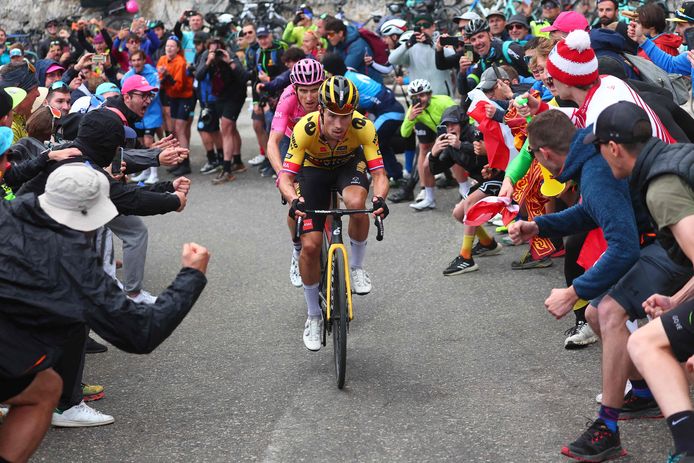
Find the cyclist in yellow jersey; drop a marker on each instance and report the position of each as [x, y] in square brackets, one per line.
[334, 146]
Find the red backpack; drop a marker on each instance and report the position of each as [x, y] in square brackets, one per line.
[377, 45]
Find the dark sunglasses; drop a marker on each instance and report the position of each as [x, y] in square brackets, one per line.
[58, 84]
[424, 24]
[54, 42]
[549, 6]
[244, 33]
[516, 26]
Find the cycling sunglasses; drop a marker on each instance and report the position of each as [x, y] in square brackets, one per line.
[58, 84]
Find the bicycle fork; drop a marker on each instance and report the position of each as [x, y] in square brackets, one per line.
[336, 245]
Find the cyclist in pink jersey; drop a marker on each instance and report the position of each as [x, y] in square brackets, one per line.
[297, 100]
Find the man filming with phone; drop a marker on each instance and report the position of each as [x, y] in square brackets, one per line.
[491, 51]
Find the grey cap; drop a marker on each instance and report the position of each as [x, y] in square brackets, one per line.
[518, 19]
[452, 114]
[489, 78]
[77, 196]
[495, 13]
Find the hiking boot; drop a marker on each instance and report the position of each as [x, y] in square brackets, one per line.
[579, 336]
[639, 407]
[596, 444]
[527, 262]
[483, 251]
[223, 177]
[460, 265]
[238, 167]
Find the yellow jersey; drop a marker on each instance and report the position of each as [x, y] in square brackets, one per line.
[308, 147]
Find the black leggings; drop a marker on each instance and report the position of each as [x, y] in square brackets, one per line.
[572, 270]
[70, 367]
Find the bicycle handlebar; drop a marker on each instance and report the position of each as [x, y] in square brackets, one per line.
[378, 221]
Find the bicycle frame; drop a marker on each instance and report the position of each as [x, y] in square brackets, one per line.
[336, 245]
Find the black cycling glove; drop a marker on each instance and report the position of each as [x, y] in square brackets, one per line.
[296, 206]
[381, 203]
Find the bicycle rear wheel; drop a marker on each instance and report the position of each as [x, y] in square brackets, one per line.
[338, 316]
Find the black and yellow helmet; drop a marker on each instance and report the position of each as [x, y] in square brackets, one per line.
[338, 95]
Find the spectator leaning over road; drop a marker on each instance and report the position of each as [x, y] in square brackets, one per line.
[418, 56]
[423, 116]
[67, 292]
[491, 52]
[348, 42]
[664, 174]
[608, 13]
[23, 76]
[178, 86]
[497, 25]
[683, 63]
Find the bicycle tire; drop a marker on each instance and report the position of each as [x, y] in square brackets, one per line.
[338, 316]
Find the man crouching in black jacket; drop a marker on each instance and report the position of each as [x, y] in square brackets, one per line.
[462, 145]
[52, 285]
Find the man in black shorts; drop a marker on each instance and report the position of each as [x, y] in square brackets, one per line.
[664, 174]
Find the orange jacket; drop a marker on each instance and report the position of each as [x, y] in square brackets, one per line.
[182, 87]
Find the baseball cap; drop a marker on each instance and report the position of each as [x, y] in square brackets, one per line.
[495, 13]
[554, 3]
[16, 52]
[489, 78]
[423, 17]
[616, 123]
[137, 82]
[262, 31]
[468, 15]
[568, 21]
[38, 102]
[6, 138]
[684, 14]
[452, 114]
[10, 97]
[106, 87]
[77, 196]
[518, 19]
[200, 37]
[54, 67]
[98, 38]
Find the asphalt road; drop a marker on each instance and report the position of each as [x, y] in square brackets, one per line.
[468, 368]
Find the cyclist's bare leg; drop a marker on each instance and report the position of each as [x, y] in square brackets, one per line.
[309, 262]
[354, 197]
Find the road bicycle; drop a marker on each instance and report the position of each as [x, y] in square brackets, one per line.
[335, 287]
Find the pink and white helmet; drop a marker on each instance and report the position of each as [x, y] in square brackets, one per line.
[307, 72]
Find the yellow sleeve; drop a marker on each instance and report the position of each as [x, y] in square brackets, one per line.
[302, 135]
[369, 141]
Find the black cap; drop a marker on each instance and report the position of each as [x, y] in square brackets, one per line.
[616, 123]
[518, 19]
[53, 22]
[554, 2]
[262, 31]
[685, 13]
[200, 37]
[453, 114]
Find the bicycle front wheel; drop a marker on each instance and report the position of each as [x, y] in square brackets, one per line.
[338, 315]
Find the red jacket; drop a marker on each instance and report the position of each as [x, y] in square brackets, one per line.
[669, 43]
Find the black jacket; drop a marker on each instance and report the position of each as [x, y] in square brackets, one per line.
[658, 158]
[53, 282]
[464, 156]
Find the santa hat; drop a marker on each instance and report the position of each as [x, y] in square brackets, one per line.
[572, 61]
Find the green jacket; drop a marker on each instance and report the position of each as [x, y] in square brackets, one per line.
[431, 116]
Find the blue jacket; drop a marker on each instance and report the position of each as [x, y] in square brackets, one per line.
[43, 65]
[673, 64]
[606, 42]
[353, 49]
[153, 117]
[605, 203]
[278, 84]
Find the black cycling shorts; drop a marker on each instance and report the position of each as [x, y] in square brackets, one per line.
[229, 109]
[315, 185]
[679, 328]
[182, 108]
[424, 133]
[164, 99]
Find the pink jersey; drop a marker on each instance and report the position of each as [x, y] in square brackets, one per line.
[288, 112]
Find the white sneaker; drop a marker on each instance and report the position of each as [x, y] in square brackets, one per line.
[361, 283]
[80, 416]
[141, 177]
[580, 335]
[144, 297]
[420, 196]
[256, 161]
[153, 176]
[424, 205]
[294, 274]
[312, 332]
[598, 398]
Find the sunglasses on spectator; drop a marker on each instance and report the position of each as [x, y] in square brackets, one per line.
[330, 34]
[244, 33]
[54, 42]
[549, 6]
[424, 24]
[58, 84]
[516, 26]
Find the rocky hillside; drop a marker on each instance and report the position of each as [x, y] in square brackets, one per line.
[26, 14]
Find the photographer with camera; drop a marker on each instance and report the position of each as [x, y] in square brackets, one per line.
[303, 21]
[227, 79]
[491, 51]
[194, 20]
[460, 144]
[418, 55]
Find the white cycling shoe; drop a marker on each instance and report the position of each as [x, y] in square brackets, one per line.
[312, 332]
[361, 283]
